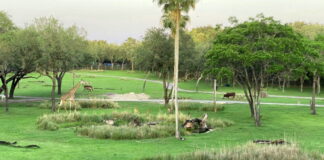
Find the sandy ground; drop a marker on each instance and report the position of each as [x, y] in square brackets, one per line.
[128, 96]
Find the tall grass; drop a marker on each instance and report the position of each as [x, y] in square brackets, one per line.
[48, 105]
[91, 103]
[52, 121]
[201, 107]
[248, 152]
[98, 104]
[126, 125]
[127, 132]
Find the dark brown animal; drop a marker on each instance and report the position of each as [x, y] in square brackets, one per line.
[229, 95]
[88, 88]
[275, 142]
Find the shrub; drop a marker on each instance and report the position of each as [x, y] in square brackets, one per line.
[66, 106]
[248, 152]
[120, 118]
[47, 125]
[170, 118]
[219, 123]
[127, 132]
[98, 104]
[48, 105]
[201, 107]
[45, 105]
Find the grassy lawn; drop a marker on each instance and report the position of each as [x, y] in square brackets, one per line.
[292, 123]
[104, 84]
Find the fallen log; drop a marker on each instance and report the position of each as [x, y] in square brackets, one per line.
[14, 144]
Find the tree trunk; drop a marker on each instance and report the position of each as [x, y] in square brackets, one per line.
[144, 84]
[99, 66]
[197, 83]
[112, 65]
[5, 88]
[122, 68]
[318, 85]
[165, 89]
[132, 65]
[215, 88]
[279, 82]
[257, 114]
[283, 85]
[59, 79]
[288, 82]
[302, 79]
[13, 86]
[176, 73]
[313, 103]
[53, 90]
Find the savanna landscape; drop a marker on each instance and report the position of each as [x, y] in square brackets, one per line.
[248, 89]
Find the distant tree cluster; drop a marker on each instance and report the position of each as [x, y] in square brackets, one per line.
[260, 50]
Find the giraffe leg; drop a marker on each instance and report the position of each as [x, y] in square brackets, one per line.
[70, 106]
[59, 106]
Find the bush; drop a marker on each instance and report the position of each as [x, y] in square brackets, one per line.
[170, 118]
[126, 125]
[120, 118]
[248, 152]
[127, 132]
[47, 125]
[45, 105]
[200, 107]
[98, 104]
[219, 123]
[48, 105]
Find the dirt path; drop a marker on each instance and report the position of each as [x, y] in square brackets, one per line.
[161, 101]
[25, 99]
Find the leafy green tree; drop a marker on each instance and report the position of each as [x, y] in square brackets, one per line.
[25, 48]
[130, 46]
[314, 62]
[309, 30]
[175, 8]
[6, 24]
[97, 50]
[6, 33]
[54, 50]
[156, 56]
[255, 50]
[74, 47]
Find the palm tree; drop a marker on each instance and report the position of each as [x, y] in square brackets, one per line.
[175, 8]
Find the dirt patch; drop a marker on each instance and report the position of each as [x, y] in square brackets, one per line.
[128, 96]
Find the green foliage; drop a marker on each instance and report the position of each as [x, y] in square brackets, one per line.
[47, 124]
[253, 51]
[219, 123]
[156, 52]
[201, 107]
[126, 125]
[127, 132]
[98, 104]
[248, 151]
[6, 24]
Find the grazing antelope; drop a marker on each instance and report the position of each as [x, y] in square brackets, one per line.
[88, 87]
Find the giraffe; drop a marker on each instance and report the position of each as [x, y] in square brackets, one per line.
[69, 96]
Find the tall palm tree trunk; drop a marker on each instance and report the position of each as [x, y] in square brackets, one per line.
[176, 74]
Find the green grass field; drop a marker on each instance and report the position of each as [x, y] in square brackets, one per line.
[293, 123]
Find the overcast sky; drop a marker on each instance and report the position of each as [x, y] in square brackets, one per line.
[115, 20]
